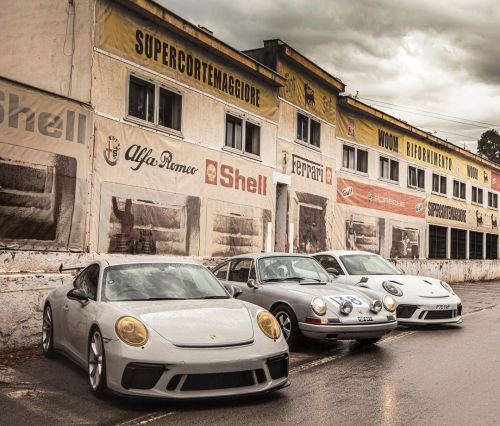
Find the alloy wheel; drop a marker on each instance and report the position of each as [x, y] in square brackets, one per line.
[95, 359]
[285, 323]
[47, 329]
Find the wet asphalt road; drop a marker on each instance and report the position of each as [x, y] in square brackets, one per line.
[446, 375]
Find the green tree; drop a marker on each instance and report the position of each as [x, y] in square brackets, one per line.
[489, 145]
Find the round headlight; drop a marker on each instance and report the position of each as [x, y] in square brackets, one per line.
[447, 287]
[131, 331]
[392, 288]
[269, 325]
[318, 305]
[346, 307]
[376, 306]
[389, 303]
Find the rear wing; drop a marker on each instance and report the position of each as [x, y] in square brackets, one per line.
[76, 268]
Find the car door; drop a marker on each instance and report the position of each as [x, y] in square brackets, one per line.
[240, 271]
[79, 315]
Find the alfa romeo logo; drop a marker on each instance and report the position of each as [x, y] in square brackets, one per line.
[112, 150]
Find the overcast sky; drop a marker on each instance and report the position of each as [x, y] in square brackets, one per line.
[437, 56]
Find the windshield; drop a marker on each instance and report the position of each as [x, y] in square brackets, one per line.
[160, 281]
[368, 264]
[291, 268]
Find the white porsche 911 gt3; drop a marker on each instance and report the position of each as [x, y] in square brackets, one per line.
[163, 328]
[421, 300]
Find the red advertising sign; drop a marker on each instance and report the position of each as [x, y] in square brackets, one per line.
[378, 198]
[231, 177]
[495, 181]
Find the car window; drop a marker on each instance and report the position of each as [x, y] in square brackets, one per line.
[330, 262]
[368, 264]
[276, 268]
[90, 280]
[240, 270]
[221, 273]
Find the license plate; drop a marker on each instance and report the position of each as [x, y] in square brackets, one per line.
[365, 319]
[443, 307]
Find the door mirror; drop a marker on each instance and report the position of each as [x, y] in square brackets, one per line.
[78, 294]
[234, 290]
[363, 280]
[332, 271]
[252, 284]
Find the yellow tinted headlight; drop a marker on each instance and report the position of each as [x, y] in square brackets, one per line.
[389, 303]
[131, 331]
[269, 325]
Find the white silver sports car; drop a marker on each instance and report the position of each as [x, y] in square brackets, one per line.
[420, 300]
[163, 328]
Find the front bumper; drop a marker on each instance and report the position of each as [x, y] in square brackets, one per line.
[427, 313]
[193, 373]
[347, 331]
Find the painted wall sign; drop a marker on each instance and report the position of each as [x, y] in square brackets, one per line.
[309, 169]
[379, 198]
[495, 181]
[388, 141]
[443, 211]
[306, 93]
[231, 177]
[124, 34]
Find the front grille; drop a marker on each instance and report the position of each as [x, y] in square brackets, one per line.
[141, 376]
[278, 366]
[201, 382]
[405, 311]
[439, 314]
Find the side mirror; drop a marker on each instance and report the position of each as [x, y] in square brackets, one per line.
[252, 284]
[332, 271]
[363, 280]
[235, 291]
[78, 294]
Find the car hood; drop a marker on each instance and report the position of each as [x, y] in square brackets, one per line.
[196, 323]
[324, 290]
[411, 285]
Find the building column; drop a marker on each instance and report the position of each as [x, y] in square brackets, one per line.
[484, 245]
[448, 242]
[467, 244]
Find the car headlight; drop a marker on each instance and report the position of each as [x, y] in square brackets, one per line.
[131, 331]
[269, 325]
[346, 307]
[392, 288]
[376, 306]
[318, 305]
[389, 303]
[447, 287]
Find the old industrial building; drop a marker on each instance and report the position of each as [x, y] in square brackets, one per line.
[126, 129]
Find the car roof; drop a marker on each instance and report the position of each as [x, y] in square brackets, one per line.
[266, 255]
[137, 259]
[344, 252]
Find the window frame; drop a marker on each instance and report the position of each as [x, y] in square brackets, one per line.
[460, 182]
[310, 118]
[355, 169]
[441, 176]
[417, 169]
[156, 108]
[244, 119]
[477, 188]
[494, 195]
[390, 159]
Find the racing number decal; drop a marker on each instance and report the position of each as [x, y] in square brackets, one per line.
[353, 299]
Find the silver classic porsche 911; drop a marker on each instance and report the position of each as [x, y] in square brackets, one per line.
[305, 301]
[163, 328]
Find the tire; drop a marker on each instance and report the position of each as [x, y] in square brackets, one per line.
[48, 332]
[368, 342]
[288, 323]
[96, 365]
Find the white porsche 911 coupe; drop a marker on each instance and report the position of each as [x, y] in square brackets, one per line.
[420, 300]
[163, 328]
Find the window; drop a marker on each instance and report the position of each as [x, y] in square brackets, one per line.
[458, 243]
[491, 246]
[389, 169]
[437, 242]
[308, 130]
[330, 262]
[88, 280]
[355, 159]
[438, 184]
[477, 195]
[240, 270]
[416, 177]
[142, 104]
[221, 273]
[492, 200]
[475, 245]
[459, 189]
[248, 141]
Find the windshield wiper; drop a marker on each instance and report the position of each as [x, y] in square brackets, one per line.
[164, 298]
[211, 297]
[299, 279]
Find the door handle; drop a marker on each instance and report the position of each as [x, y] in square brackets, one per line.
[66, 307]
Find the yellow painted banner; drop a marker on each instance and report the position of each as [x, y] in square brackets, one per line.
[126, 35]
[352, 127]
[307, 94]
